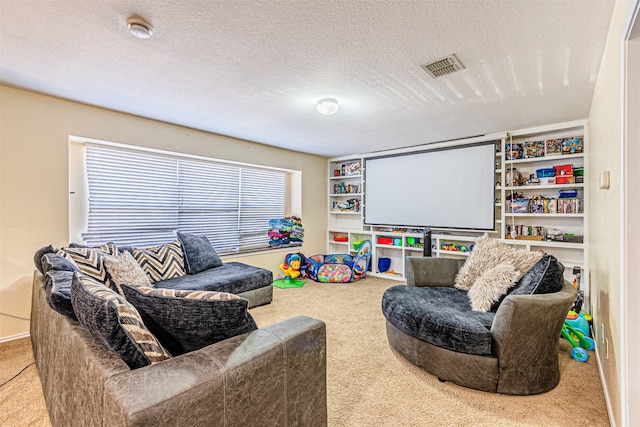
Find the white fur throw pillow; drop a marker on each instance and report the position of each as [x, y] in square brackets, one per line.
[124, 268]
[488, 253]
[489, 287]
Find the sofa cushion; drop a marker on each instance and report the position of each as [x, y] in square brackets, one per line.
[161, 262]
[114, 322]
[199, 254]
[494, 283]
[53, 261]
[37, 257]
[123, 268]
[440, 316]
[488, 253]
[232, 277]
[57, 288]
[545, 277]
[91, 261]
[185, 321]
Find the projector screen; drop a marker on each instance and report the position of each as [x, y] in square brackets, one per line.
[450, 188]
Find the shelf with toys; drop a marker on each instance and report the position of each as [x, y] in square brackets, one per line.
[345, 193]
[454, 245]
[545, 192]
[541, 197]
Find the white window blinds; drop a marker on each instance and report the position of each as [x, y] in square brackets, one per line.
[139, 198]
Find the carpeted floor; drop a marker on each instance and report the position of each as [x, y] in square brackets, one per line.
[368, 384]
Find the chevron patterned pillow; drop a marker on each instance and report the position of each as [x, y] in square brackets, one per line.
[161, 262]
[185, 321]
[114, 322]
[90, 261]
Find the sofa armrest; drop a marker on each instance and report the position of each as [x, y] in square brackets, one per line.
[276, 374]
[526, 332]
[426, 271]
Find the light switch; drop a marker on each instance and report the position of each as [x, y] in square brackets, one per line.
[604, 180]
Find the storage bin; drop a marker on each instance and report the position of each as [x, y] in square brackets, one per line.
[357, 244]
[562, 170]
[568, 194]
[385, 241]
[579, 171]
[384, 264]
[545, 172]
[397, 241]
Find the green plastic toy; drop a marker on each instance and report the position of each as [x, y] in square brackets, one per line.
[578, 341]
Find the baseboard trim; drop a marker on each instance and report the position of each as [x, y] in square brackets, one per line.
[15, 337]
[605, 389]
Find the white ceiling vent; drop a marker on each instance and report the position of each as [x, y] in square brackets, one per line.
[448, 65]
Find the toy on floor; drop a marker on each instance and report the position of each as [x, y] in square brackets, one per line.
[340, 268]
[576, 330]
[291, 267]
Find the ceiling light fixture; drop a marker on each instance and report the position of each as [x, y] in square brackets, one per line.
[328, 106]
[139, 27]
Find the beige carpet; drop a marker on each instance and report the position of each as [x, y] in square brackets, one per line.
[368, 384]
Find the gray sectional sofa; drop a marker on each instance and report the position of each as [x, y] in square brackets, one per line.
[162, 336]
[272, 376]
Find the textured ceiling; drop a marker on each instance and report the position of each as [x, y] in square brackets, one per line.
[255, 69]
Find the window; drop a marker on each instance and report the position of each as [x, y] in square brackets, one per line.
[142, 197]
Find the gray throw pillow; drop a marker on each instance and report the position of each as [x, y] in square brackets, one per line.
[57, 289]
[185, 321]
[53, 261]
[114, 322]
[545, 277]
[199, 254]
[37, 257]
[123, 268]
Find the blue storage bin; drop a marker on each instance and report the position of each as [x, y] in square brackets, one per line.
[568, 194]
[384, 264]
[546, 172]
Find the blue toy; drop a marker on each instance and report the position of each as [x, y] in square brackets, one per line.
[580, 323]
[340, 268]
[577, 332]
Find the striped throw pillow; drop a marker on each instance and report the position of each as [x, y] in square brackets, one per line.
[90, 261]
[185, 321]
[114, 322]
[161, 262]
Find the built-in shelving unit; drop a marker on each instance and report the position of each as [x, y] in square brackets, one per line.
[346, 196]
[569, 227]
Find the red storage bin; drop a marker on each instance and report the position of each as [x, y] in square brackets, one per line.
[562, 170]
[385, 241]
[564, 174]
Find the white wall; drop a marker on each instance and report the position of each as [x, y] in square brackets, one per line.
[34, 177]
[605, 138]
